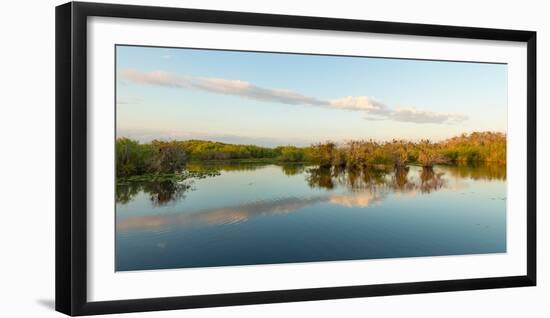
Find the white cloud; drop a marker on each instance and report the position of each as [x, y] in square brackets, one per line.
[153, 78]
[360, 103]
[365, 104]
[414, 115]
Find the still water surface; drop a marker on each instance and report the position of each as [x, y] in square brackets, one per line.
[266, 214]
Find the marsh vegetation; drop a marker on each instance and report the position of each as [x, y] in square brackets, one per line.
[162, 158]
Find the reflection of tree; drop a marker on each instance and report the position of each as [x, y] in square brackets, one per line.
[351, 178]
[371, 179]
[374, 176]
[292, 169]
[430, 180]
[161, 188]
[320, 178]
[160, 193]
[400, 180]
[487, 171]
[125, 192]
[363, 186]
[366, 178]
[376, 179]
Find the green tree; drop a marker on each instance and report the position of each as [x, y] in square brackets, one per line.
[290, 154]
[429, 153]
[323, 153]
[168, 157]
[131, 157]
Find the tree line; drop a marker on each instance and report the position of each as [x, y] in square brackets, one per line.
[134, 158]
[467, 148]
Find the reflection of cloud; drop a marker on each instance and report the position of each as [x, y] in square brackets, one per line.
[145, 222]
[241, 213]
[362, 194]
[358, 200]
[248, 210]
[248, 90]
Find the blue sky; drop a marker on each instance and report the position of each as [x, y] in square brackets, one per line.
[275, 99]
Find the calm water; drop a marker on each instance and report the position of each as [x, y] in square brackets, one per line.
[265, 214]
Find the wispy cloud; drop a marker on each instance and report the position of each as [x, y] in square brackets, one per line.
[370, 105]
[365, 104]
[419, 116]
[221, 86]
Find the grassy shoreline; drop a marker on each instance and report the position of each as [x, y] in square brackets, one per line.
[161, 159]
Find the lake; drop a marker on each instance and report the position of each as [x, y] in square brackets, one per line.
[266, 214]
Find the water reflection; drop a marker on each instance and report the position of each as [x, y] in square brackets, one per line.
[266, 214]
[160, 193]
[365, 187]
[430, 180]
[243, 212]
[320, 178]
[373, 179]
[490, 171]
[292, 169]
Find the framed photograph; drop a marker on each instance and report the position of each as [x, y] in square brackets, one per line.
[210, 158]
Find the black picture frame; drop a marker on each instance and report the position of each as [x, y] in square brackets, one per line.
[71, 157]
